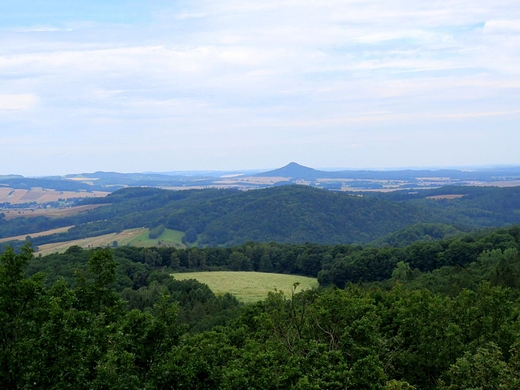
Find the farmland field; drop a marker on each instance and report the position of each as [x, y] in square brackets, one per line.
[39, 234]
[447, 196]
[249, 286]
[131, 237]
[253, 180]
[42, 195]
[47, 212]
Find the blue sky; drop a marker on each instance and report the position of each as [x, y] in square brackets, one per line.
[135, 86]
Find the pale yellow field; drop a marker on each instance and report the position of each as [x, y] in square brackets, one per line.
[122, 239]
[502, 183]
[188, 187]
[255, 180]
[448, 196]
[133, 237]
[50, 212]
[45, 233]
[41, 195]
[249, 286]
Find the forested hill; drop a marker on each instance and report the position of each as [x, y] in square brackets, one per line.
[293, 214]
[287, 214]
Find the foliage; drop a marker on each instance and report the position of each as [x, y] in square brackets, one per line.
[445, 266]
[123, 323]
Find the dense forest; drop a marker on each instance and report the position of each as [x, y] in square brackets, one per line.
[430, 315]
[336, 265]
[288, 214]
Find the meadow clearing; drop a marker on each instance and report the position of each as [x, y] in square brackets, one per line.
[249, 286]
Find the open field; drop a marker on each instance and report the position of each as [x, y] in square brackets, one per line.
[501, 183]
[122, 239]
[447, 196]
[42, 195]
[40, 234]
[249, 286]
[130, 237]
[167, 238]
[254, 180]
[48, 212]
[190, 187]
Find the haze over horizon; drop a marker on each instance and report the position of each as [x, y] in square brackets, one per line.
[135, 86]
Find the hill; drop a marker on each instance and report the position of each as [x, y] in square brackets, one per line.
[62, 191]
[287, 214]
[295, 171]
[229, 217]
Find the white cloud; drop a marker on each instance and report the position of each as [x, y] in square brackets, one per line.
[42, 29]
[235, 72]
[502, 26]
[9, 102]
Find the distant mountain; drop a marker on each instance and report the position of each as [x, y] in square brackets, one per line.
[26, 183]
[294, 171]
[6, 177]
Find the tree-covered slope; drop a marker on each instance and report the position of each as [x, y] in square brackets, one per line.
[291, 214]
[303, 214]
[229, 217]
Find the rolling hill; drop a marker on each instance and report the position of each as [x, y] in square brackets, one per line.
[287, 214]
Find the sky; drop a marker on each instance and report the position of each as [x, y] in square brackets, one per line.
[156, 85]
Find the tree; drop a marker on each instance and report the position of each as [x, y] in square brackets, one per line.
[190, 235]
[94, 287]
[22, 311]
[156, 232]
[239, 262]
[402, 271]
[485, 369]
[175, 261]
[152, 257]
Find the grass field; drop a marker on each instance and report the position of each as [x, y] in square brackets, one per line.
[167, 238]
[249, 286]
[130, 237]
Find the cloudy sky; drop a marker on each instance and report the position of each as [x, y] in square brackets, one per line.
[159, 85]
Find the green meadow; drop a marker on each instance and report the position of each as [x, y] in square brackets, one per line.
[249, 286]
[167, 238]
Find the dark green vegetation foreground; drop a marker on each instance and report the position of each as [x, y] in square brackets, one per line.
[288, 214]
[120, 322]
